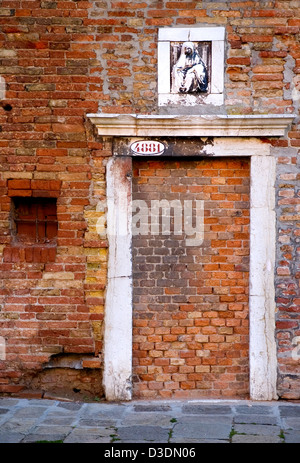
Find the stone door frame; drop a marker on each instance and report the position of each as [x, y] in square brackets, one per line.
[233, 136]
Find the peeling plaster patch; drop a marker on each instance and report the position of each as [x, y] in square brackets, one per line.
[288, 76]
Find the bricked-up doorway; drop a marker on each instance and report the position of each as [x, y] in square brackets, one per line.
[228, 136]
[190, 302]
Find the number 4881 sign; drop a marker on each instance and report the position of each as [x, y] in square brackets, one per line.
[147, 148]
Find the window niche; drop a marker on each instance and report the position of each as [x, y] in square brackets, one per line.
[34, 221]
[34, 229]
[191, 66]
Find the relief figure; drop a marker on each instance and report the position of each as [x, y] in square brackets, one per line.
[190, 72]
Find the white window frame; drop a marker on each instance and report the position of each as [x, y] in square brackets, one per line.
[215, 35]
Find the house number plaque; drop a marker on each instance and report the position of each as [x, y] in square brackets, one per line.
[147, 147]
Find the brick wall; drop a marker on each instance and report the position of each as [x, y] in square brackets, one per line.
[63, 59]
[51, 297]
[191, 302]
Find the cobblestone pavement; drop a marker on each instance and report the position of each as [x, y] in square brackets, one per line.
[164, 422]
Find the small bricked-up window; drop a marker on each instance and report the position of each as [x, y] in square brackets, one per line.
[34, 220]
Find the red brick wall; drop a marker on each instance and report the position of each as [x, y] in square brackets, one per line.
[63, 59]
[51, 297]
[191, 302]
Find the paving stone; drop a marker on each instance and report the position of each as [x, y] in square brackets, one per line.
[291, 423]
[143, 433]
[254, 409]
[150, 419]
[199, 441]
[78, 438]
[59, 420]
[203, 419]
[151, 408]
[251, 439]
[186, 440]
[54, 412]
[141, 441]
[90, 435]
[256, 419]
[104, 411]
[257, 429]
[197, 409]
[96, 422]
[10, 437]
[30, 412]
[102, 431]
[17, 426]
[292, 437]
[6, 402]
[36, 402]
[130, 441]
[30, 438]
[44, 430]
[70, 406]
[192, 428]
[289, 411]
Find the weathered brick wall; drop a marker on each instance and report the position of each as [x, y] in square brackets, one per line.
[191, 301]
[63, 59]
[262, 51]
[51, 298]
[287, 274]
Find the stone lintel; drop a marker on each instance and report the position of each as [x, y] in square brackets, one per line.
[133, 125]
